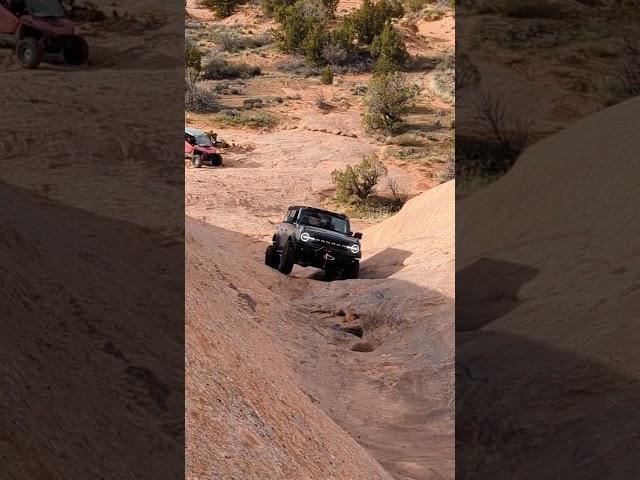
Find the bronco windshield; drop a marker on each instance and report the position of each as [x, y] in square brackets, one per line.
[44, 8]
[203, 141]
[324, 220]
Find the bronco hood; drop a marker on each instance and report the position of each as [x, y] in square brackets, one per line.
[329, 234]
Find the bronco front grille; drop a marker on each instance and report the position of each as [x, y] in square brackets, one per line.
[329, 243]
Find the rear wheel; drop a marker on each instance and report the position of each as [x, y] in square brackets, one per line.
[29, 52]
[271, 258]
[287, 259]
[196, 160]
[216, 160]
[76, 52]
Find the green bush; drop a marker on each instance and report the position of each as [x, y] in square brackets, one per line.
[198, 98]
[369, 20]
[270, 7]
[388, 99]
[222, 8]
[357, 183]
[389, 49]
[220, 69]
[326, 76]
[192, 55]
[303, 29]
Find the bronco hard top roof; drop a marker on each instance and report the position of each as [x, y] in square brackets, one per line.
[296, 207]
[193, 131]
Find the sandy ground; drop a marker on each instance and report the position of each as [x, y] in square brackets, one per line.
[324, 410]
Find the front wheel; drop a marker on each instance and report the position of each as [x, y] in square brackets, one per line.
[287, 259]
[29, 53]
[77, 52]
[351, 271]
[196, 160]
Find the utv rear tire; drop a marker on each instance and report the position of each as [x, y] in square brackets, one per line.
[271, 258]
[77, 53]
[351, 272]
[29, 53]
[216, 160]
[196, 160]
[287, 259]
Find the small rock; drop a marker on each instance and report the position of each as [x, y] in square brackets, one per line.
[353, 328]
[350, 317]
[362, 347]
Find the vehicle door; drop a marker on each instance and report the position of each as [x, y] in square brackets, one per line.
[8, 21]
[189, 143]
[287, 226]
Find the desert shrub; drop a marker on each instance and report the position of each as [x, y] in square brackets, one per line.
[388, 99]
[270, 7]
[397, 191]
[416, 5]
[467, 74]
[222, 8]
[192, 55]
[251, 119]
[303, 29]
[368, 21]
[322, 103]
[231, 40]
[326, 76]
[357, 183]
[443, 80]
[314, 43]
[221, 69]
[507, 133]
[198, 97]
[389, 49]
[630, 71]
[335, 54]
[253, 103]
[448, 173]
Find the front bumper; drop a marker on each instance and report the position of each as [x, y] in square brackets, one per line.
[320, 257]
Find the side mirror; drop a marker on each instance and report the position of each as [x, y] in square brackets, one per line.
[357, 235]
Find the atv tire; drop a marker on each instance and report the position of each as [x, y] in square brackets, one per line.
[287, 259]
[196, 160]
[29, 53]
[77, 52]
[216, 160]
[351, 272]
[271, 257]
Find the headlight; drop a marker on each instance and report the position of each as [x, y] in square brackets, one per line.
[305, 237]
[354, 248]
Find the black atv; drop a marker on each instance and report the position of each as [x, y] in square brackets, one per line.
[311, 237]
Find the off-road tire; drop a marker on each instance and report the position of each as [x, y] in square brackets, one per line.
[330, 273]
[271, 257]
[196, 160]
[77, 53]
[216, 160]
[29, 52]
[287, 259]
[350, 272]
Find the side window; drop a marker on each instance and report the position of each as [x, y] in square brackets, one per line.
[291, 216]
